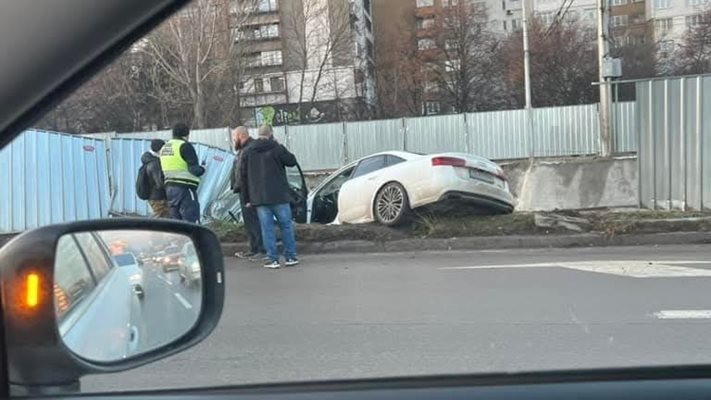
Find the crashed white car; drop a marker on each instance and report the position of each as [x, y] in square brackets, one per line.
[386, 187]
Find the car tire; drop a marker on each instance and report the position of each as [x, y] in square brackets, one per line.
[392, 205]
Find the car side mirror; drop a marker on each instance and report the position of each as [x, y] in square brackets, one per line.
[71, 308]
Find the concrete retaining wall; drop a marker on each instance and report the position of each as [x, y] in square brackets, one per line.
[574, 184]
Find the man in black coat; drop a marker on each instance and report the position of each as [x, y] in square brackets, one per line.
[242, 141]
[157, 199]
[265, 186]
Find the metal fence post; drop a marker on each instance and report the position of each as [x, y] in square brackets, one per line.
[344, 127]
[700, 141]
[467, 135]
[404, 134]
[682, 142]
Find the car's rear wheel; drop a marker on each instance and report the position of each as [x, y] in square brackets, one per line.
[392, 206]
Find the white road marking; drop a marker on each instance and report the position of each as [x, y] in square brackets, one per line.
[632, 268]
[683, 314]
[182, 301]
[165, 280]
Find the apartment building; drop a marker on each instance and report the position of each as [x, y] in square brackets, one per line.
[306, 61]
[671, 19]
[628, 23]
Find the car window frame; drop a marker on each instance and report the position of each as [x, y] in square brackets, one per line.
[355, 175]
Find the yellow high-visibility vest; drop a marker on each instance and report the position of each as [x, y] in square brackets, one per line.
[175, 168]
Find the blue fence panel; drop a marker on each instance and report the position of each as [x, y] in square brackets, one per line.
[49, 177]
[498, 135]
[126, 160]
[569, 130]
[317, 147]
[368, 137]
[435, 134]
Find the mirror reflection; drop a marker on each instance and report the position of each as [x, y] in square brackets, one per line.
[119, 294]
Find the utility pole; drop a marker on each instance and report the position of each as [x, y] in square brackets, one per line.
[527, 78]
[603, 33]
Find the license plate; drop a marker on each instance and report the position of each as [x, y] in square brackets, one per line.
[481, 176]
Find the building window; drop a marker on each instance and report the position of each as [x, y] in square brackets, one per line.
[450, 3]
[265, 31]
[271, 58]
[662, 4]
[663, 25]
[619, 2]
[546, 18]
[425, 43]
[370, 47]
[694, 20]
[277, 84]
[694, 3]
[425, 3]
[589, 14]
[267, 5]
[366, 6]
[425, 23]
[432, 107]
[515, 24]
[258, 85]
[619, 20]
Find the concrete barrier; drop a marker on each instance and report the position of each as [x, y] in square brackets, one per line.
[574, 184]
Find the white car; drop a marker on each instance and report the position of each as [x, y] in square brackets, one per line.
[385, 187]
[129, 265]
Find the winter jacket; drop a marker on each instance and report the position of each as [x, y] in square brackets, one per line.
[152, 163]
[235, 181]
[263, 173]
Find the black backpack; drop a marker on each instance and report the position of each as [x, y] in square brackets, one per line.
[143, 183]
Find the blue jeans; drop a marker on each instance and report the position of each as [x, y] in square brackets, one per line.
[282, 213]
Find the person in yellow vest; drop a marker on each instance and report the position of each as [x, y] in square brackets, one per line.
[182, 172]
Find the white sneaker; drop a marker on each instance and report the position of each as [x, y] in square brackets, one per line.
[272, 265]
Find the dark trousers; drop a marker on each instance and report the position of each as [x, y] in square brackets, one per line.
[184, 204]
[253, 227]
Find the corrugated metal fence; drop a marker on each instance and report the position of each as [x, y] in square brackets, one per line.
[498, 135]
[49, 177]
[674, 120]
[126, 160]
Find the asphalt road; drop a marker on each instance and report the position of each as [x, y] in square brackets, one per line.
[356, 316]
[169, 308]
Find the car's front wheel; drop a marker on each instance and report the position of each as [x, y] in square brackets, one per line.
[392, 206]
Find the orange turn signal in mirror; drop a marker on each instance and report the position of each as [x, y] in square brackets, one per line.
[32, 294]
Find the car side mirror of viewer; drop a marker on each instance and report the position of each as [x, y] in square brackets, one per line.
[92, 297]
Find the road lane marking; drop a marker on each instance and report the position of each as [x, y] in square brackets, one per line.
[683, 314]
[630, 268]
[164, 279]
[182, 301]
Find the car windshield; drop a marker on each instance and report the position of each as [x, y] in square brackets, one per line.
[484, 186]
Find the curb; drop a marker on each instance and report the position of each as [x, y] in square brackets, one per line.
[492, 243]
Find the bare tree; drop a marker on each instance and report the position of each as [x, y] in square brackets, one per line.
[693, 56]
[320, 36]
[463, 60]
[563, 64]
[195, 51]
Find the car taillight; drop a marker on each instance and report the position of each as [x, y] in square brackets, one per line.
[448, 161]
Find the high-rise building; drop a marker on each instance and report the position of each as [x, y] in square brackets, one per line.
[306, 61]
[671, 19]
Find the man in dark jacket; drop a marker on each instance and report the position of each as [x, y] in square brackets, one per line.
[264, 186]
[242, 141]
[182, 172]
[157, 199]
